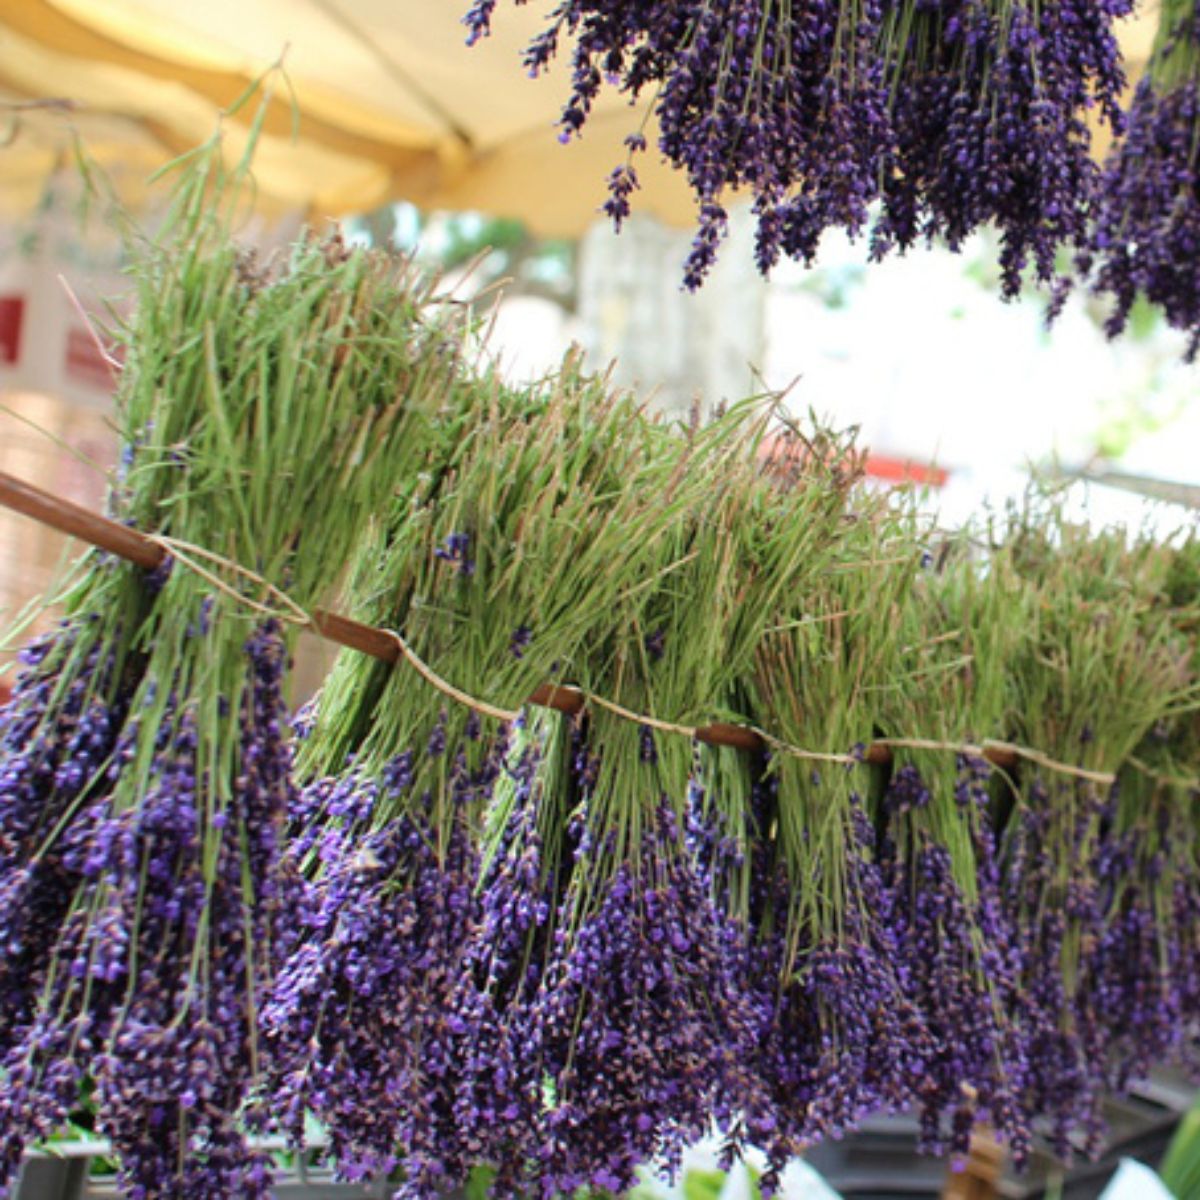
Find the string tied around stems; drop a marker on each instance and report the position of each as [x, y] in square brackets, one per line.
[291, 613]
[193, 557]
[980, 750]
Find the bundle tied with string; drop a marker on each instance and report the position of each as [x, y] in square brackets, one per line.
[262, 415]
[391, 1017]
[840, 1033]
[937, 826]
[1102, 910]
[638, 1033]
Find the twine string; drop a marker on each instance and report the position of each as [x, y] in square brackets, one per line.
[972, 750]
[445, 687]
[1182, 781]
[687, 731]
[182, 551]
[1104, 778]
[791, 751]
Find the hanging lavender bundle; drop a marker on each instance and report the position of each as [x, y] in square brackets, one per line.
[56, 736]
[1146, 225]
[640, 1024]
[786, 101]
[940, 818]
[954, 113]
[494, 570]
[990, 105]
[842, 1037]
[1146, 965]
[1105, 664]
[551, 998]
[149, 982]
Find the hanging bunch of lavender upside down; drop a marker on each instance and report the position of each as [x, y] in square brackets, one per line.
[636, 1026]
[840, 1034]
[952, 114]
[939, 818]
[1067, 851]
[1146, 228]
[990, 113]
[494, 570]
[263, 417]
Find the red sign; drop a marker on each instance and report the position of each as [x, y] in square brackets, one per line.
[12, 312]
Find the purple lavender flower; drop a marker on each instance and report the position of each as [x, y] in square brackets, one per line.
[56, 733]
[1146, 226]
[457, 550]
[519, 643]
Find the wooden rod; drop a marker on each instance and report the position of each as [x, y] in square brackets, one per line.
[79, 522]
[135, 547]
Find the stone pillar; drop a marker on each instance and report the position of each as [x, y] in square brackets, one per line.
[674, 347]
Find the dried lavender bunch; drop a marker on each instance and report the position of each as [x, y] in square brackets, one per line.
[56, 735]
[1145, 964]
[151, 982]
[1067, 843]
[841, 1036]
[962, 959]
[990, 99]
[786, 101]
[495, 568]
[357, 1021]
[938, 819]
[569, 846]
[637, 1025]
[1146, 224]
[529, 853]
[953, 112]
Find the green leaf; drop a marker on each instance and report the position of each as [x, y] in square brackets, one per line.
[703, 1185]
[1181, 1167]
[479, 1182]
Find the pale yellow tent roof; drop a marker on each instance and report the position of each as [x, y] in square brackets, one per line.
[392, 104]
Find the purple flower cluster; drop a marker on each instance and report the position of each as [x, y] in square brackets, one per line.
[1146, 227]
[989, 126]
[362, 1027]
[953, 113]
[153, 979]
[640, 1025]
[840, 1037]
[457, 550]
[962, 972]
[1051, 918]
[56, 733]
[498, 1081]
[358, 1027]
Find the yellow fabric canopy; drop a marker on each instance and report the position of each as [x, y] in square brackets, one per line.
[386, 102]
